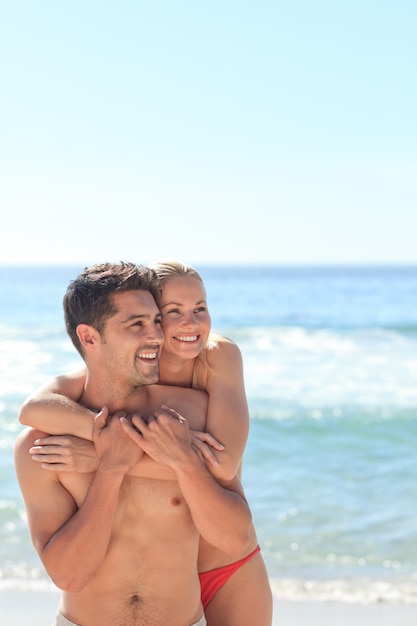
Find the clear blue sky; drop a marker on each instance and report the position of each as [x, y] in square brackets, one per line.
[221, 131]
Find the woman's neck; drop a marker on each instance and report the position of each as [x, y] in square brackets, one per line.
[175, 371]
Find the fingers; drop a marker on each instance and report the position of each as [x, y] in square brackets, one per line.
[48, 458]
[56, 467]
[100, 419]
[53, 462]
[133, 428]
[138, 422]
[52, 440]
[208, 439]
[204, 451]
[46, 450]
[198, 453]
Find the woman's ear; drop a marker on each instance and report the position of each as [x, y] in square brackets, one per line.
[87, 335]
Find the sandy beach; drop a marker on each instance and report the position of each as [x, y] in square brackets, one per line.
[19, 608]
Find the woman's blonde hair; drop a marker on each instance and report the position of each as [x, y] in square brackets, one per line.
[171, 269]
[165, 271]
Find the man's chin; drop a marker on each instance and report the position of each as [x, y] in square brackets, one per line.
[151, 378]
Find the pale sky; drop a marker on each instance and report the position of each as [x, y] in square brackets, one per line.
[213, 132]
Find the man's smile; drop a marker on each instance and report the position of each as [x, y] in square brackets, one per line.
[148, 355]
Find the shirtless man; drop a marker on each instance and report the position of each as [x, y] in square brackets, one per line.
[122, 542]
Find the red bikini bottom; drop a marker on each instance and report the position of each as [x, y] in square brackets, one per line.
[214, 579]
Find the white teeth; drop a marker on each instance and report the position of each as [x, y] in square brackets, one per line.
[153, 355]
[193, 338]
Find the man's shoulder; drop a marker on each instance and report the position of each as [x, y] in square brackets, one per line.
[24, 465]
[26, 438]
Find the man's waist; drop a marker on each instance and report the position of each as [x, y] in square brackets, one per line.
[131, 602]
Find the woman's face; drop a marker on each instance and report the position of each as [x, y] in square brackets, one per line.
[185, 318]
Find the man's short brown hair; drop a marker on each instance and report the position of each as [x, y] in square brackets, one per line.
[89, 297]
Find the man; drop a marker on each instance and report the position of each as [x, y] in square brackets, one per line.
[122, 542]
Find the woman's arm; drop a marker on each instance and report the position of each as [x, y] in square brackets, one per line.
[228, 412]
[53, 407]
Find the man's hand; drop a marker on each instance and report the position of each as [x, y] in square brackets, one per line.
[165, 437]
[203, 445]
[115, 449]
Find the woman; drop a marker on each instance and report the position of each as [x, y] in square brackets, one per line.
[233, 594]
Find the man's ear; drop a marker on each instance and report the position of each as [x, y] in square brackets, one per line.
[87, 335]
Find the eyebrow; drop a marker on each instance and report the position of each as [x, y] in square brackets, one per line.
[180, 303]
[142, 316]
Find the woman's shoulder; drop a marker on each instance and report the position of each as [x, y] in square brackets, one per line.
[220, 349]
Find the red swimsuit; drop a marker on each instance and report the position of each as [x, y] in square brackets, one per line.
[212, 580]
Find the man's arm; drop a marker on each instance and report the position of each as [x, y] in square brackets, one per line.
[218, 508]
[61, 530]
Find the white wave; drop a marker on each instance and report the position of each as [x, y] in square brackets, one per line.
[362, 591]
[329, 368]
[26, 364]
[358, 591]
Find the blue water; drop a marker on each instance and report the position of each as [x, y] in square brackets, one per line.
[330, 468]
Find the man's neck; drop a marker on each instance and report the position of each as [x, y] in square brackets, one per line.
[97, 394]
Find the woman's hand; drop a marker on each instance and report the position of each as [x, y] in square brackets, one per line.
[203, 444]
[65, 453]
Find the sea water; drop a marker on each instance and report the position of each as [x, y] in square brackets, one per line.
[330, 468]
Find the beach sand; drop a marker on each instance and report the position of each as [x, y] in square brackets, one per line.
[38, 608]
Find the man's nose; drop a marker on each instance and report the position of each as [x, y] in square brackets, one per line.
[156, 334]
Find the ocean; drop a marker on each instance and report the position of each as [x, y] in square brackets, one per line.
[330, 468]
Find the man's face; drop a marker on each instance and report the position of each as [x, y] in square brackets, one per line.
[132, 339]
